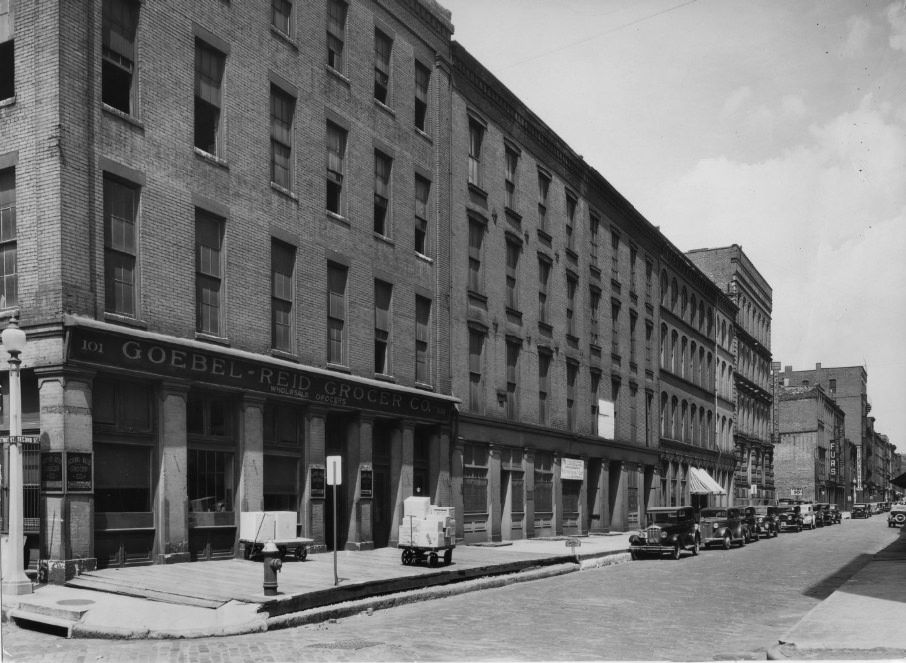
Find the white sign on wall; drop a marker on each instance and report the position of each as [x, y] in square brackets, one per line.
[334, 470]
[606, 419]
[572, 469]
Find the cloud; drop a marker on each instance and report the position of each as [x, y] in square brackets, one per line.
[737, 100]
[793, 106]
[896, 16]
[857, 37]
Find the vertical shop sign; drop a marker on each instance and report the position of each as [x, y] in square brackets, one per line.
[79, 472]
[51, 471]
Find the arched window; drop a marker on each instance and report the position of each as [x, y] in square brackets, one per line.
[693, 309]
[682, 368]
[684, 303]
[674, 294]
[664, 291]
[674, 413]
[663, 414]
[710, 322]
[710, 429]
[710, 374]
[663, 346]
[674, 339]
[684, 422]
[702, 376]
[693, 410]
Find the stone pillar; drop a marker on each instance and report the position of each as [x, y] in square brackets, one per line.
[557, 490]
[495, 507]
[439, 469]
[315, 462]
[360, 456]
[528, 463]
[597, 484]
[251, 453]
[68, 525]
[619, 497]
[172, 540]
[401, 466]
[584, 520]
[456, 472]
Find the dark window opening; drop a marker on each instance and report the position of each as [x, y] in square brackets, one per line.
[7, 71]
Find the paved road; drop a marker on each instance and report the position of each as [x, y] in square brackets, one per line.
[721, 604]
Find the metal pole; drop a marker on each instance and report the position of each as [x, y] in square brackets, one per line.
[16, 582]
[336, 580]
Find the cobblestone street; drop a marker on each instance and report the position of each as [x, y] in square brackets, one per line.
[721, 604]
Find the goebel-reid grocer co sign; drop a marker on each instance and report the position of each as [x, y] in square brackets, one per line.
[169, 359]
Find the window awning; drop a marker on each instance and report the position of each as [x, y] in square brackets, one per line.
[701, 483]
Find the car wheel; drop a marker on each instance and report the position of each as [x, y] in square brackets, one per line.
[727, 542]
[798, 528]
[676, 551]
[776, 532]
[900, 518]
[742, 541]
[634, 554]
[695, 546]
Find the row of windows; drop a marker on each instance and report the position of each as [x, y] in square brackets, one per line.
[686, 359]
[512, 178]
[686, 422]
[696, 312]
[121, 200]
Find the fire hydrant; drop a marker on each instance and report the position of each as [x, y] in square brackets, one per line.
[270, 554]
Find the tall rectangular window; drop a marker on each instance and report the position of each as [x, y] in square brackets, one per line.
[382, 168]
[208, 273]
[476, 136]
[476, 371]
[336, 314]
[422, 198]
[594, 225]
[615, 326]
[283, 107]
[572, 372]
[422, 82]
[544, 387]
[422, 339]
[594, 309]
[383, 45]
[7, 52]
[209, 64]
[571, 203]
[512, 379]
[9, 273]
[336, 34]
[336, 167]
[615, 256]
[544, 274]
[120, 246]
[572, 285]
[633, 257]
[512, 275]
[544, 184]
[281, 13]
[595, 379]
[283, 261]
[476, 240]
[118, 27]
[512, 160]
[383, 296]
[633, 323]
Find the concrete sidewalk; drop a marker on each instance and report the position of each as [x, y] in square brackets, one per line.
[226, 597]
[864, 619]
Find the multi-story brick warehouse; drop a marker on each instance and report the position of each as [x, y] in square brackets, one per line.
[848, 386]
[557, 307]
[232, 241]
[809, 449]
[749, 340]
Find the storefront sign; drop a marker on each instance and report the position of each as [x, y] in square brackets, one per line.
[317, 483]
[51, 471]
[365, 482]
[857, 470]
[108, 349]
[572, 469]
[78, 472]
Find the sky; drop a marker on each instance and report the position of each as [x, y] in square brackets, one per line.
[777, 125]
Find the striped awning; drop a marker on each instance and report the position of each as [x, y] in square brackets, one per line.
[701, 483]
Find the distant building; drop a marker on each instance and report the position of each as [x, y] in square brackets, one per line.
[807, 451]
[732, 270]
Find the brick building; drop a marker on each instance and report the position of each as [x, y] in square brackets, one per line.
[750, 344]
[809, 448]
[226, 234]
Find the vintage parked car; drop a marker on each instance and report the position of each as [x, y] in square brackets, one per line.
[897, 515]
[788, 517]
[667, 530]
[723, 526]
[822, 514]
[836, 514]
[860, 510]
[750, 520]
[765, 521]
[809, 518]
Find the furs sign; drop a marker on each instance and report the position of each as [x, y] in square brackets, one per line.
[102, 348]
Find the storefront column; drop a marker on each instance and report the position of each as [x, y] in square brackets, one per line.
[583, 498]
[619, 498]
[557, 490]
[528, 461]
[172, 539]
[67, 530]
[456, 487]
[494, 505]
[359, 464]
[597, 484]
[402, 454]
[250, 492]
[439, 469]
[315, 475]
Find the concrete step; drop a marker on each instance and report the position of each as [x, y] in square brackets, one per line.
[72, 610]
[29, 618]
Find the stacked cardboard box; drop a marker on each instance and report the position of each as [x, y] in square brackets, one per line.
[425, 526]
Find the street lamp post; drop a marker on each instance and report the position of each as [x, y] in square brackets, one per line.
[15, 581]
